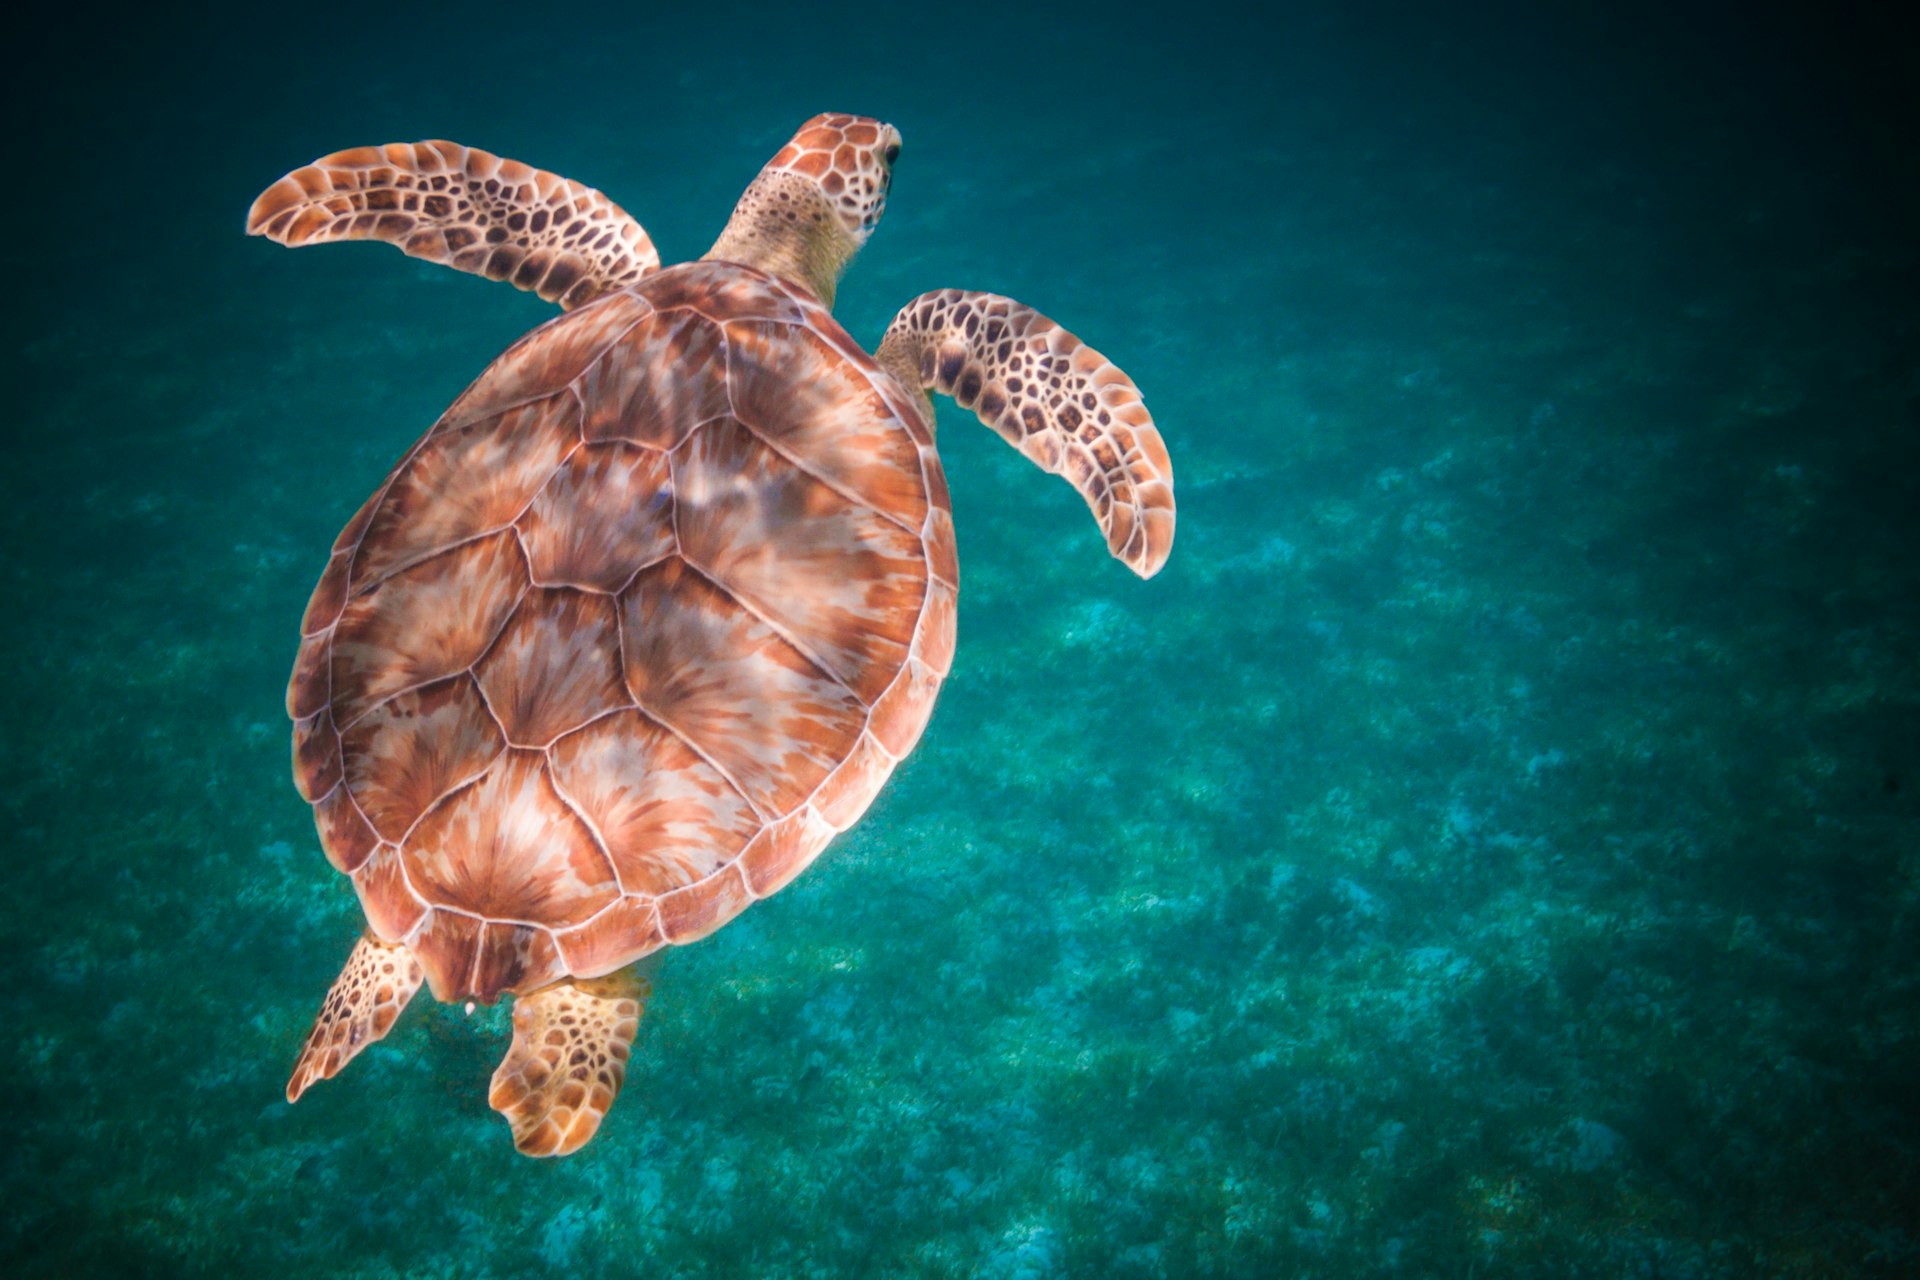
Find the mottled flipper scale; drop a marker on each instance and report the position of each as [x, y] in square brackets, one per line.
[569, 1056]
[379, 979]
[466, 208]
[1057, 400]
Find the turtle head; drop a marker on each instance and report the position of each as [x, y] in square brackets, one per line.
[849, 159]
[814, 204]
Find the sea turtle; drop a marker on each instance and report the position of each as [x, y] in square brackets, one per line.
[652, 611]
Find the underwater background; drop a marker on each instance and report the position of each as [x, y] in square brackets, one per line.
[1490, 848]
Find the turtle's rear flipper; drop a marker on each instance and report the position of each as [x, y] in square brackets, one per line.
[1054, 398]
[466, 208]
[569, 1056]
[369, 994]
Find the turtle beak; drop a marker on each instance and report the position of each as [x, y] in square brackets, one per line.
[888, 151]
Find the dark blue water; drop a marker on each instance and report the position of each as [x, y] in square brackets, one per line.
[1491, 847]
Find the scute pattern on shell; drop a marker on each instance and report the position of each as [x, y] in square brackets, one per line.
[628, 636]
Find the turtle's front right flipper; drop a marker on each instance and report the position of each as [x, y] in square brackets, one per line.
[1051, 396]
[466, 208]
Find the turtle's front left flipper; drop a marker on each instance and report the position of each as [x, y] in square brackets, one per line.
[466, 208]
[1054, 398]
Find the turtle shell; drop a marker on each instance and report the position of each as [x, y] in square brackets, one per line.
[644, 620]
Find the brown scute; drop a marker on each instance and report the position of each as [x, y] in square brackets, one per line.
[901, 715]
[563, 274]
[555, 666]
[689, 914]
[661, 380]
[445, 946]
[346, 837]
[936, 479]
[849, 789]
[512, 956]
[392, 908]
[414, 748]
[778, 854]
[316, 755]
[934, 643]
[426, 623]
[507, 847]
[943, 560]
[356, 528]
[579, 295]
[532, 270]
[309, 688]
[618, 936]
[604, 514]
[323, 607]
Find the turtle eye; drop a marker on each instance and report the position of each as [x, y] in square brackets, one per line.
[892, 152]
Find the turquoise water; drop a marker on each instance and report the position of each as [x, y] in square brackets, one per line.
[1491, 847]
